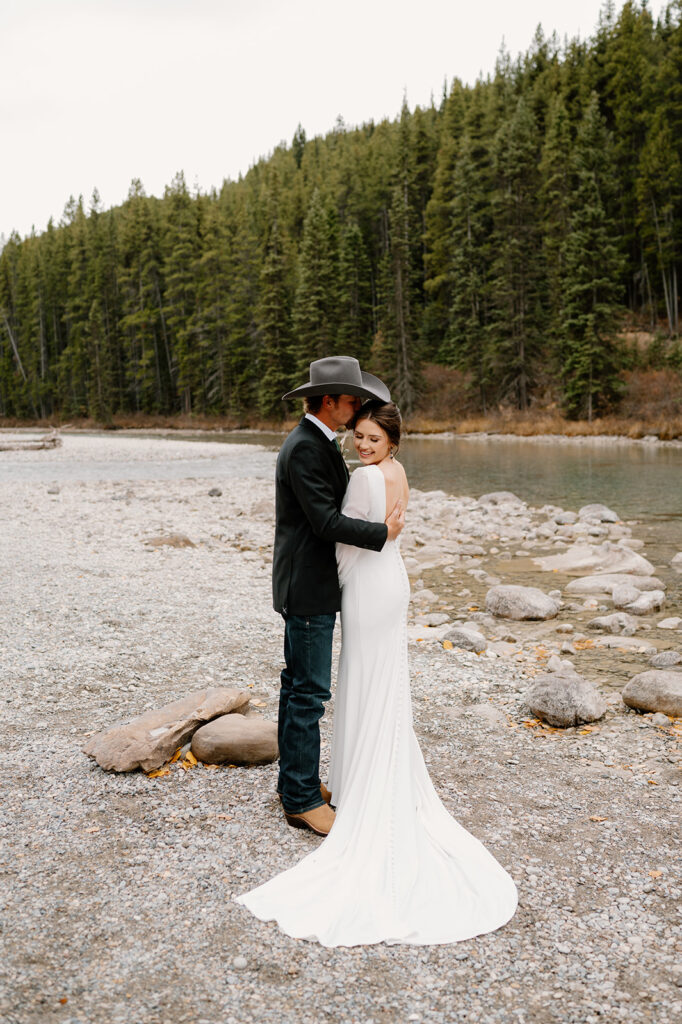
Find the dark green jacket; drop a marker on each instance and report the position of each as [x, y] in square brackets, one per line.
[311, 480]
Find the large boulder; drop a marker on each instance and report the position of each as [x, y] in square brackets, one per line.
[655, 690]
[603, 583]
[467, 639]
[151, 739]
[564, 699]
[675, 622]
[582, 558]
[515, 602]
[236, 739]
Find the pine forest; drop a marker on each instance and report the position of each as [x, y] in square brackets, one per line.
[518, 235]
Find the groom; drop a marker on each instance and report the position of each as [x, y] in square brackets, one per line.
[311, 480]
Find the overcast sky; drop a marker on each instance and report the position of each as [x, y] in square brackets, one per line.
[96, 92]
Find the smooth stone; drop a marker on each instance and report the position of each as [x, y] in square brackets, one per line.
[516, 602]
[215, 492]
[581, 559]
[434, 619]
[666, 659]
[598, 511]
[236, 739]
[567, 648]
[676, 560]
[660, 719]
[424, 596]
[603, 583]
[614, 623]
[625, 643]
[624, 594]
[564, 700]
[650, 601]
[565, 518]
[500, 498]
[673, 623]
[467, 639]
[655, 690]
[53, 490]
[151, 739]
[564, 627]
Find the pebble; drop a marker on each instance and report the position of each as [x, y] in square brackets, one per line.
[136, 875]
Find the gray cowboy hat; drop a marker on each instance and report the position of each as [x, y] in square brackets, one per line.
[341, 375]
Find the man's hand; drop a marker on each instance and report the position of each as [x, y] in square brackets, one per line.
[395, 520]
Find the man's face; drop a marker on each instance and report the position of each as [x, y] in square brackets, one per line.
[342, 411]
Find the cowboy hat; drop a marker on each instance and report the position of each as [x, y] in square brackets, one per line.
[341, 375]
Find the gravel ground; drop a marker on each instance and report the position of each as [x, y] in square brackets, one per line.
[116, 890]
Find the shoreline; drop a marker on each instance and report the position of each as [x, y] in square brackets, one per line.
[647, 440]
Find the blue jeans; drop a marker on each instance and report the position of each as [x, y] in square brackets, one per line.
[305, 686]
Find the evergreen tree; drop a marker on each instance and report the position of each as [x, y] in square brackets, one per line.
[593, 275]
[315, 305]
[514, 331]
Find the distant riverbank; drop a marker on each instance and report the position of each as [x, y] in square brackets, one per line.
[540, 425]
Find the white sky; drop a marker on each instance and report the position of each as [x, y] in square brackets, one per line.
[97, 92]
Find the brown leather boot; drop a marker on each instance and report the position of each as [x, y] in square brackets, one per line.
[324, 793]
[319, 820]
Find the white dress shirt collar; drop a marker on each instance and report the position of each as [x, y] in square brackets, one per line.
[327, 431]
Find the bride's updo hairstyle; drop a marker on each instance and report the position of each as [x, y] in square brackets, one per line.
[386, 415]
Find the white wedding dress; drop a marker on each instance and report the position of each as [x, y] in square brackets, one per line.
[396, 867]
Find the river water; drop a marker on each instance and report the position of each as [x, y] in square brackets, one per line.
[640, 481]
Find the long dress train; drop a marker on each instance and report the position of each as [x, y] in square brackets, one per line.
[396, 867]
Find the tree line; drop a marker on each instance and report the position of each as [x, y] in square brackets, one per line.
[509, 230]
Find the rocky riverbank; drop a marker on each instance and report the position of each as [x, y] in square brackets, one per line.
[124, 589]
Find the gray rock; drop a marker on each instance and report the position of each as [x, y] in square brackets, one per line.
[659, 719]
[650, 601]
[53, 490]
[603, 583]
[236, 739]
[617, 622]
[673, 623]
[516, 602]
[467, 639]
[624, 594]
[567, 648]
[626, 643]
[600, 512]
[500, 498]
[666, 659]
[565, 518]
[676, 560]
[655, 690]
[434, 619]
[150, 740]
[582, 558]
[215, 492]
[564, 700]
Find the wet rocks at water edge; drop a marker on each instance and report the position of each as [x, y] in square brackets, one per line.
[608, 557]
[517, 602]
[565, 699]
[236, 739]
[675, 622]
[150, 740]
[603, 583]
[655, 690]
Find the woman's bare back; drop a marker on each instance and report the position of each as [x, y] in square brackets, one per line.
[396, 483]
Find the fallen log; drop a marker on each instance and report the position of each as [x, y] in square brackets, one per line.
[51, 440]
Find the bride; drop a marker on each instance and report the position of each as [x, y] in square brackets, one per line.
[396, 867]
